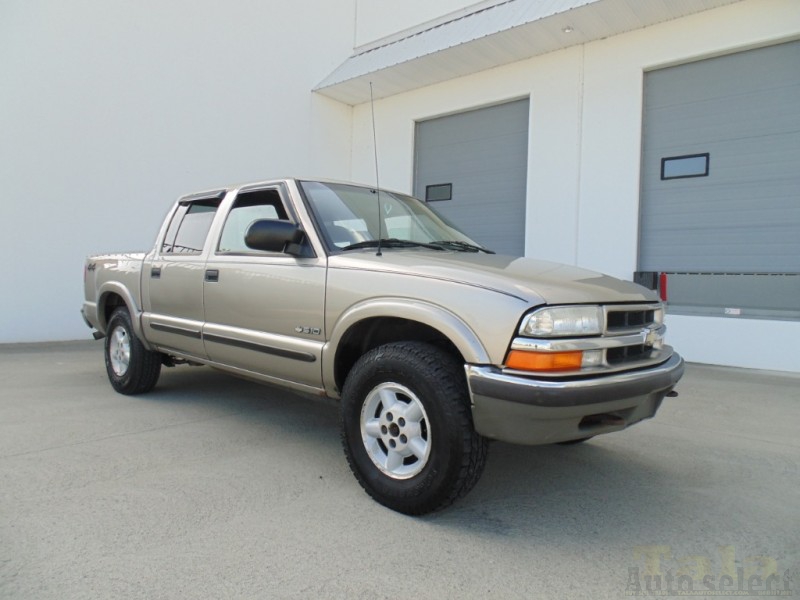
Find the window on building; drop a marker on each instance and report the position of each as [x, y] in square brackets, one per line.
[681, 167]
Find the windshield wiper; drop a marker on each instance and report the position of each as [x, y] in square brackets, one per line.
[391, 243]
[462, 246]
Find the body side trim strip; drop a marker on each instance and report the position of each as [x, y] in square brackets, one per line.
[282, 352]
[192, 333]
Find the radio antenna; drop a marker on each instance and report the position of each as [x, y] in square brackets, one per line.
[377, 180]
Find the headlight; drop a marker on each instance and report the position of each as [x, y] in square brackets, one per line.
[562, 321]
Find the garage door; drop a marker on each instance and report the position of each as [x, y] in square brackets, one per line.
[721, 183]
[472, 167]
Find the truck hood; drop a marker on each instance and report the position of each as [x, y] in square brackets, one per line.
[533, 281]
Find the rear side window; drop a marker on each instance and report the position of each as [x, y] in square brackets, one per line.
[189, 227]
[249, 207]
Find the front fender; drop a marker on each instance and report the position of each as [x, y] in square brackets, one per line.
[447, 323]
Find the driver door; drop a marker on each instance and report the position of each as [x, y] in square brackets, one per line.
[264, 310]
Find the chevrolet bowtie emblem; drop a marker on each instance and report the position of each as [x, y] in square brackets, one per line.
[651, 335]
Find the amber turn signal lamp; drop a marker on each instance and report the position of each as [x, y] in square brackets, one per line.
[544, 361]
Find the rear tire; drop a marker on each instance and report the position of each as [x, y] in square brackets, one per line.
[131, 368]
[406, 428]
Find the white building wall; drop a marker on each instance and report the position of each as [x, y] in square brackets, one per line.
[585, 149]
[110, 109]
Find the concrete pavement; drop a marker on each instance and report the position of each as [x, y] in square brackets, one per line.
[212, 487]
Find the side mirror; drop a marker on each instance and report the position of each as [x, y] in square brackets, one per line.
[270, 235]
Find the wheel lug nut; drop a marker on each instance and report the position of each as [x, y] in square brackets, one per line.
[401, 421]
[392, 443]
[389, 417]
[383, 429]
[403, 439]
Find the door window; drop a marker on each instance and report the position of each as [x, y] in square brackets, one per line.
[189, 227]
[248, 208]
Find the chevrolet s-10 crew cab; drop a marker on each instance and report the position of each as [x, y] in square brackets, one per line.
[432, 344]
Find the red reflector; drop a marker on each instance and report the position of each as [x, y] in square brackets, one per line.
[662, 286]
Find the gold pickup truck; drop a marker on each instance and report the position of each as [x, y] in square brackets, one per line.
[432, 344]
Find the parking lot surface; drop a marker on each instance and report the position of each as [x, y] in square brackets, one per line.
[213, 487]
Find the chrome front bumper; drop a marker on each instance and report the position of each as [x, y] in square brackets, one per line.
[524, 410]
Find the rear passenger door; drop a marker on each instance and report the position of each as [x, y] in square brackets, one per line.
[264, 310]
[172, 278]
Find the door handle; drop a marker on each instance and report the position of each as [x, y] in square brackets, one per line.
[212, 275]
[155, 273]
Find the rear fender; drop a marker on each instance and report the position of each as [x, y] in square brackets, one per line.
[106, 292]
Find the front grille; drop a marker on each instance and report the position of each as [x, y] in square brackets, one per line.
[618, 356]
[620, 320]
[631, 320]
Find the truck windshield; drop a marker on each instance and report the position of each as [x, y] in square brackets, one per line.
[350, 219]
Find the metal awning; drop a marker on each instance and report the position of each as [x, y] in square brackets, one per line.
[488, 35]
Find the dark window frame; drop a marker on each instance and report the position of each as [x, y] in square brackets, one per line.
[434, 186]
[665, 159]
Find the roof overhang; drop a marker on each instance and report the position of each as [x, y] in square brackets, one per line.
[491, 34]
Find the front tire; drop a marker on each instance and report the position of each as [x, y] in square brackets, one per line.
[407, 428]
[131, 368]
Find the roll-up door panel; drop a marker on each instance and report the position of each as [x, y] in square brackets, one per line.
[483, 154]
[743, 216]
